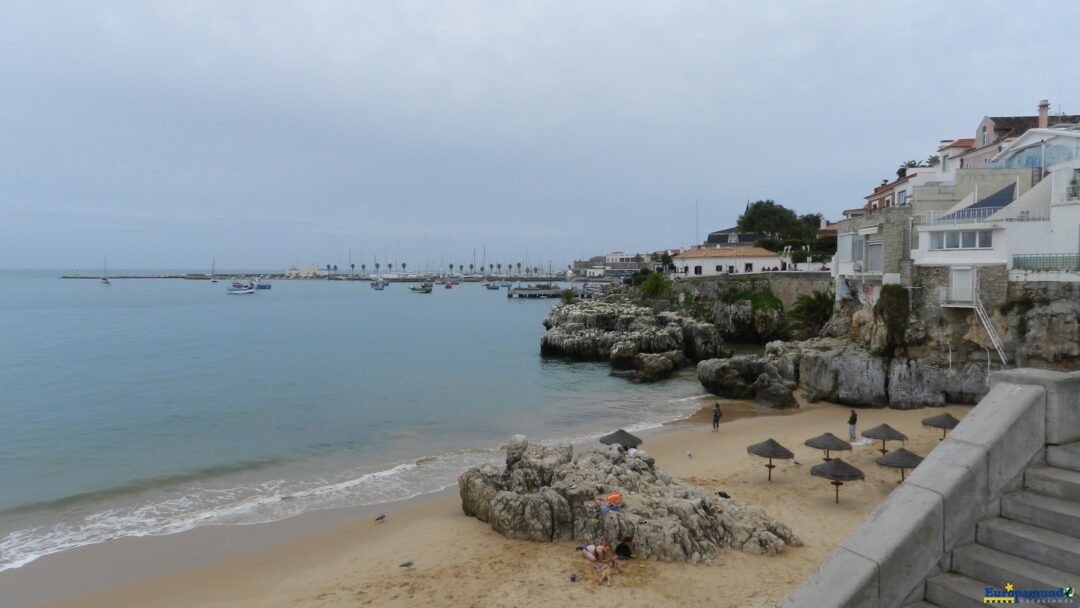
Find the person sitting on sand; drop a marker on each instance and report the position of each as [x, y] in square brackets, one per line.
[624, 550]
[604, 553]
[590, 552]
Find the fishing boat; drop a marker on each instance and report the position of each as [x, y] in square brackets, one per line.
[242, 287]
[492, 286]
[378, 284]
[421, 288]
[448, 285]
[262, 284]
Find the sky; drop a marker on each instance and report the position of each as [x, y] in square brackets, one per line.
[269, 134]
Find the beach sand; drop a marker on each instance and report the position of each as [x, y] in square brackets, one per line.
[460, 561]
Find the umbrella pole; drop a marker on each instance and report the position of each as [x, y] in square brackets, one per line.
[837, 485]
[770, 466]
[883, 450]
[901, 475]
[827, 459]
[943, 431]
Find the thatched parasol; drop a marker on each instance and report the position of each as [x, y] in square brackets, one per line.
[900, 459]
[770, 449]
[944, 422]
[621, 437]
[829, 443]
[838, 471]
[885, 433]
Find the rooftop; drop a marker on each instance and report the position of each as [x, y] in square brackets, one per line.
[727, 252]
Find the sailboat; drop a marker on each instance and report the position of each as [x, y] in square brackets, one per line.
[213, 270]
[105, 272]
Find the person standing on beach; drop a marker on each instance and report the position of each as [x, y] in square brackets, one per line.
[851, 421]
[716, 417]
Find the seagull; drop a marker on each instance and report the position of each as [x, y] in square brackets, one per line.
[407, 565]
[689, 454]
[381, 518]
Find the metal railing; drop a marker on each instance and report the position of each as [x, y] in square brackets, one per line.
[1072, 193]
[975, 216]
[956, 295]
[1067, 262]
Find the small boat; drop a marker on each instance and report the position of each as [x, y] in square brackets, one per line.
[421, 288]
[492, 286]
[506, 284]
[449, 285]
[105, 274]
[262, 284]
[439, 281]
[239, 288]
[213, 270]
[378, 284]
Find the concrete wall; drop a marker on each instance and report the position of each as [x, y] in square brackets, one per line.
[787, 286]
[910, 536]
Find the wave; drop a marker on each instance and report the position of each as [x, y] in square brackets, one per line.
[242, 504]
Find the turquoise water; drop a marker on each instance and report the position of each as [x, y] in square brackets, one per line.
[154, 406]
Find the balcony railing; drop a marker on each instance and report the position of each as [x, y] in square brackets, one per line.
[1072, 193]
[956, 295]
[975, 216]
[1062, 262]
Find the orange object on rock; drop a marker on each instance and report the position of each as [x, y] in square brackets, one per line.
[614, 499]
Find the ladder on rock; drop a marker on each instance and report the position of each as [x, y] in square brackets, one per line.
[999, 346]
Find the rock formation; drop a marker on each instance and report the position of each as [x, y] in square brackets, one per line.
[645, 344]
[746, 377]
[545, 493]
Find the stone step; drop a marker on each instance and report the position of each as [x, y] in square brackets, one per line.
[1042, 511]
[951, 590]
[1052, 481]
[1064, 456]
[1030, 542]
[997, 568]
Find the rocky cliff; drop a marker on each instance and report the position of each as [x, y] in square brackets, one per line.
[545, 493]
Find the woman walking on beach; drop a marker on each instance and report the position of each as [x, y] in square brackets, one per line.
[851, 421]
[716, 417]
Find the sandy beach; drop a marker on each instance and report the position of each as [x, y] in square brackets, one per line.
[460, 561]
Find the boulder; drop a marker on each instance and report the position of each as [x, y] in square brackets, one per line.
[746, 377]
[848, 375]
[667, 518]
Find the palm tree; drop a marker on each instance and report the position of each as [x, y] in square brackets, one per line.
[812, 311]
[363, 268]
[519, 267]
[499, 266]
[471, 267]
[390, 267]
[403, 266]
[376, 268]
[327, 268]
[353, 268]
[491, 268]
[335, 267]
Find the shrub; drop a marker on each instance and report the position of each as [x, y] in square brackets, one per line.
[893, 308]
[654, 285]
[812, 311]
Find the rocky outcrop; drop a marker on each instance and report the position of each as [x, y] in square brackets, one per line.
[746, 377]
[741, 320]
[836, 370]
[645, 344]
[546, 494]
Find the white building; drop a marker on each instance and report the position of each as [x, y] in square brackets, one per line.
[704, 262]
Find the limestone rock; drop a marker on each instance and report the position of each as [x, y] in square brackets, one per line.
[746, 377]
[770, 391]
[667, 518]
[848, 375]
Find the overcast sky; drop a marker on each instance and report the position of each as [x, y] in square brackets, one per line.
[268, 134]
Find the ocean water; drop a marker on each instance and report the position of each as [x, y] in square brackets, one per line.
[155, 406]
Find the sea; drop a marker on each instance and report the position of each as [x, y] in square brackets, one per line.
[155, 406]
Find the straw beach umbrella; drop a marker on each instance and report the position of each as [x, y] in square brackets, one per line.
[885, 433]
[829, 443]
[838, 472]
[900, 459]
[622, 438]
[945, 422]
[770, 449]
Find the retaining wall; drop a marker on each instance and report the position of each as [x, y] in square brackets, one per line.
[910, 536]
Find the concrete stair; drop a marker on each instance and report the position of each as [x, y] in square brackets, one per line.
[1034, 544]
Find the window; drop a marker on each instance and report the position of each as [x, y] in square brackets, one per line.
[843, 247]
[962, 239]
[731, 269]
[856, 248]
[901, 198]
[697, 269]
[984, 138]
[719, 268]
[749, 267]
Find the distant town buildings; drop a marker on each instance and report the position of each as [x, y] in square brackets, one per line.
[706, 262]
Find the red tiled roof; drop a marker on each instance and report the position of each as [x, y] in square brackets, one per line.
[959, 143]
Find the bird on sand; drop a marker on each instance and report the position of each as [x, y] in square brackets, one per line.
[408, 564]
[689, 454]
[381, 518]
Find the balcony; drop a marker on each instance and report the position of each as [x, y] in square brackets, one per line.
[1072, 193]
[1047, 262]
[957, 296]
[977, 216]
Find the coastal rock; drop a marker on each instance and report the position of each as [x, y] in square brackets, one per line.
[847, 375]
[746, 377]
[913, 385]
[653, 367]
[667, 518]
[619, 332]
[742, 320]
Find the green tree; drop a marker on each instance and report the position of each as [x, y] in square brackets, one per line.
[932, 160]
[568, 296]
[811, 311]
[911, 164]
[655, 285]
[768, 218]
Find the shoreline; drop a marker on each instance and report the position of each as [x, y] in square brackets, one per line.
[311, 554]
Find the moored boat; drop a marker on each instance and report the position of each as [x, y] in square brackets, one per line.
[421, 288]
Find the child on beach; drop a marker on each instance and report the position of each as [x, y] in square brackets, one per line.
[854, 418]
[716, 417]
